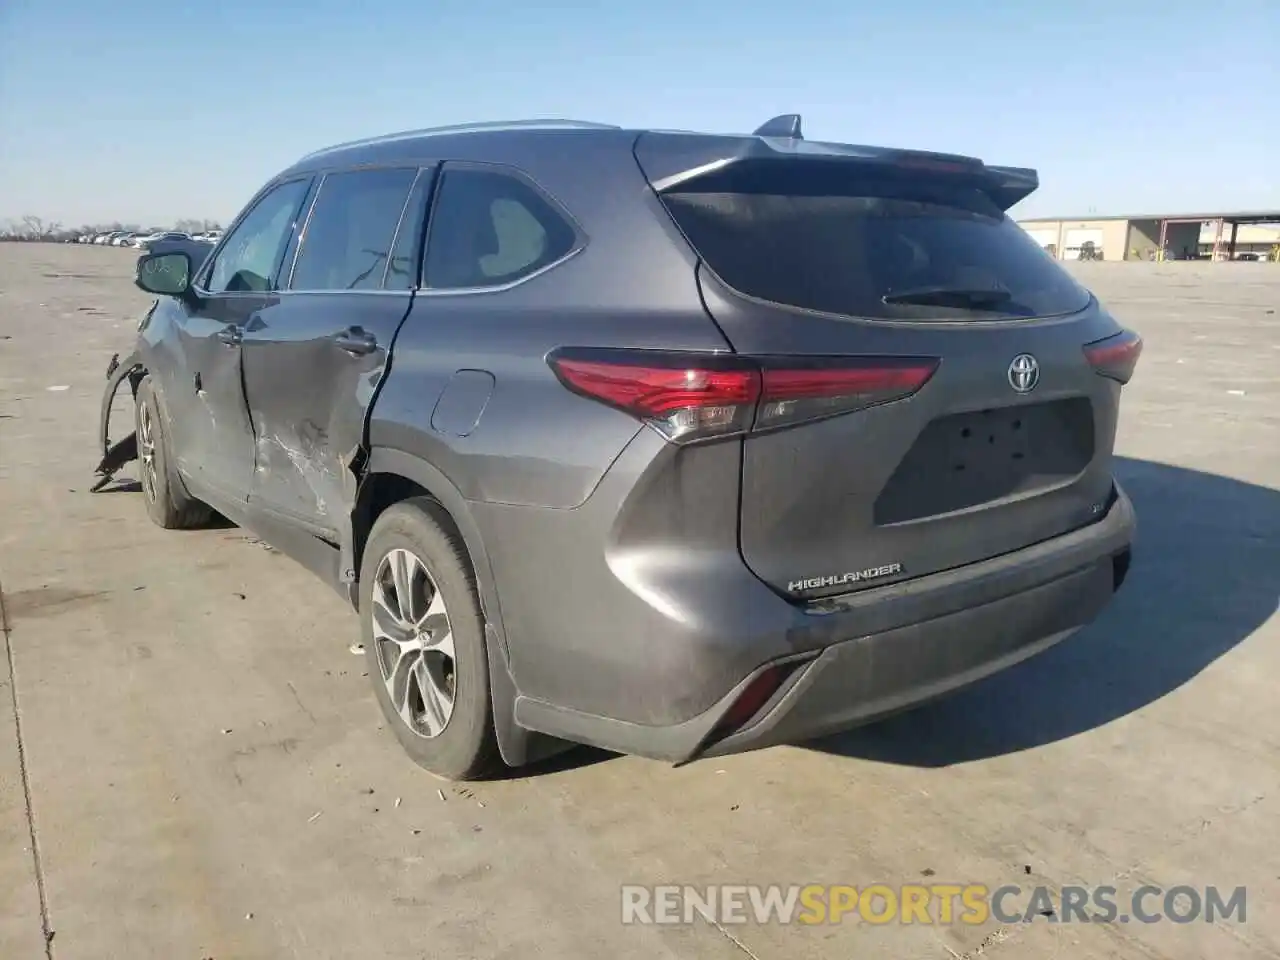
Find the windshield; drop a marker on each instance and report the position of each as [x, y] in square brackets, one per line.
[869, 242]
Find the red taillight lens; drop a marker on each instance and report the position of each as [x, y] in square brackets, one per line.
[1115, 357]
[692, 396]
[685, 396]
[793, 391]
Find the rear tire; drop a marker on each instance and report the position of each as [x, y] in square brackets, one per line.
[168, 503]
[423, 634]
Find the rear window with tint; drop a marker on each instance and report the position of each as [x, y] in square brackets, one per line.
[839, 239]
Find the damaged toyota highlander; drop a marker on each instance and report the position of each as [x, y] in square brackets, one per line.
[676, 444]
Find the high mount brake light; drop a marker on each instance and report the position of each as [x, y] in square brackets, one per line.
[690, 396]
[1115, 357]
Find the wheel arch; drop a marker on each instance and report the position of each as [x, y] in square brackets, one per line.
[391, 476]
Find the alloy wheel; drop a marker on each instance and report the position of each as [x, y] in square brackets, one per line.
[414, 643]
[147, 450]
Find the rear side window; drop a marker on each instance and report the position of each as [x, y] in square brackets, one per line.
[490, 228]
[351, 229]
[871, 242]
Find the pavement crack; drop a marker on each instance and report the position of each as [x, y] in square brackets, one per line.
[301, 706]
[46, 928]
[1193, 831]
[1002, 934]
[734, 940]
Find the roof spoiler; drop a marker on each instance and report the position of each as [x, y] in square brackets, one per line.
[669, 159]
[1009, 185]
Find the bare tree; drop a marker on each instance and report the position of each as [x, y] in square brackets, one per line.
[30, 228]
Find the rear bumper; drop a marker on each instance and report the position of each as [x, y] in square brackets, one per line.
[857, 681]
[878, 652]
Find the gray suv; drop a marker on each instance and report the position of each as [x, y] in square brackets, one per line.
[677, 444]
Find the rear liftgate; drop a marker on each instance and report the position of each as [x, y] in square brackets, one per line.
[918, 386]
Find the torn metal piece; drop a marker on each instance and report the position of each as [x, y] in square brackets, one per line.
[115, 456]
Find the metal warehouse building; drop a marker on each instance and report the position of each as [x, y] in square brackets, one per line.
[1184, 236]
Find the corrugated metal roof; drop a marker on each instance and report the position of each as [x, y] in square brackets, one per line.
[1240, 216]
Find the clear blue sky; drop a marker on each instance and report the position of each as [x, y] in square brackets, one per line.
[149, 111]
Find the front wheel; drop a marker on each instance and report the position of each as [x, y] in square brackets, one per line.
[424, 641]
[168, 503]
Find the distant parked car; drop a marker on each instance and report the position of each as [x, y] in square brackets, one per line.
[147, 242]
[197, 250]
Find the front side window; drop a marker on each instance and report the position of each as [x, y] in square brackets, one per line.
[351, 230]
[490, 228]
[250, 256]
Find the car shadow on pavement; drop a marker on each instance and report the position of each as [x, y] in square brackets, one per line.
[121, 486]
[1205, 575]
[216, 520]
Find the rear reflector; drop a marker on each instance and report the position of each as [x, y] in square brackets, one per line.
[1115, 357]
[753, 698]
[688, 396]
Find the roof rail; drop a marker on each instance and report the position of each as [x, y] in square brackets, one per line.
[786, 127]
[483, 126]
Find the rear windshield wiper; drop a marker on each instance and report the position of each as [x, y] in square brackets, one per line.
[943, 296]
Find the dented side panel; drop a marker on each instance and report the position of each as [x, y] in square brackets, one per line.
[309, 385]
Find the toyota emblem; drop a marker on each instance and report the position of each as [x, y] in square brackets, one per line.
[1024, 373]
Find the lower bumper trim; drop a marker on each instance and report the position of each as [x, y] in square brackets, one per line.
[862, 680]
[859, 680]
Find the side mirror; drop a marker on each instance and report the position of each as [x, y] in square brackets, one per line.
[167, 274]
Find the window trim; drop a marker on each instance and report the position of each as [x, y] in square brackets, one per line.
[431, 170]
[199, 287]
[580, 237]
[321, 176]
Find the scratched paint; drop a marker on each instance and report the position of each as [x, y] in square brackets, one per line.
[303, 456]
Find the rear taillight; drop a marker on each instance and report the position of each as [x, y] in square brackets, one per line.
[685, 397]
[689, 396]
[794, 391]
[1115, 357]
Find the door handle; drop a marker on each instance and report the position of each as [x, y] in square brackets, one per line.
[356, 341]
[231, 336]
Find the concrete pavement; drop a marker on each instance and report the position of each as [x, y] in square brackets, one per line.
[207, 776]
